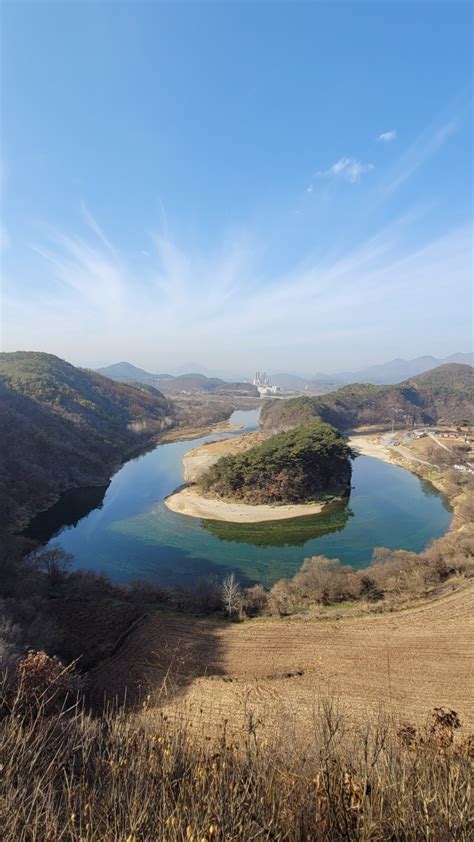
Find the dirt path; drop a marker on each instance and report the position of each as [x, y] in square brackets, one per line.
[206, 670]
[439, 443]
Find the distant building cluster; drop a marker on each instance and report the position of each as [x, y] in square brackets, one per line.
[261, 379]
[262, 382]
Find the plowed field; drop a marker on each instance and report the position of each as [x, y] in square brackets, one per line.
[407, 662]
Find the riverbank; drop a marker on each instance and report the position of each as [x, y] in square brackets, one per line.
[185, 433]
[369, 446]
[456, 486]
[189, 502]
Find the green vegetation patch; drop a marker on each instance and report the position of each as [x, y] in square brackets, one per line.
[290, 467]
[442, 395]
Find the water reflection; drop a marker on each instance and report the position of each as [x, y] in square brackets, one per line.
[71, 507]
[431, 491]
[283, 533]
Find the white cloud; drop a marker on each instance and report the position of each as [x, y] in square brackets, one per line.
[387, 137]
[224, 304]
[340, 165]
[348, 168]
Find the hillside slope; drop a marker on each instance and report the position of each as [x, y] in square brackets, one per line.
[444, 394]
[63, 427]
[407, 662]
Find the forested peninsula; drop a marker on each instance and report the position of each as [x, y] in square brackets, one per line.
[298, 466]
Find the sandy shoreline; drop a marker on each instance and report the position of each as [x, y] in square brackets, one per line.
[189, 502]
[366, 446]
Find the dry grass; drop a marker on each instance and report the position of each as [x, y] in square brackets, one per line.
[68, 776]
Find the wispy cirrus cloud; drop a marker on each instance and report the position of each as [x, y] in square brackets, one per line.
[225, 304]
[420, 151]
[86, 275]
[349, 169]
[174, 289]
[95, 227]
[387, 137]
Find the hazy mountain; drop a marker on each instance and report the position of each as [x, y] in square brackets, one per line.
[127, 373]
[394, 371]
[386, 373]
[187, 383]
[294, 383]
[445, 393]
[199, 383]
[193, 378]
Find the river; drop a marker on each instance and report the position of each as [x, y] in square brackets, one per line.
[127, 532]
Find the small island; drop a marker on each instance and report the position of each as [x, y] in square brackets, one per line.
[290, 474]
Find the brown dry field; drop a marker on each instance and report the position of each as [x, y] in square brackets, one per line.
[278, 670]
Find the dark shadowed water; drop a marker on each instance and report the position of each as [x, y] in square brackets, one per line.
[127, 532]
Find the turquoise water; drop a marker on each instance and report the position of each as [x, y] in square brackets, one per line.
[130, 534]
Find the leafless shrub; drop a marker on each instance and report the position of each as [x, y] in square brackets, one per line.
[255, 601]
[54, 562]
[283, 599]
[326, 580]
[205, 596]
[394, 577]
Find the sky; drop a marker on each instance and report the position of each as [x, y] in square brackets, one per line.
[236, 185]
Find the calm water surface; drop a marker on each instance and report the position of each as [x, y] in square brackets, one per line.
[130, 534]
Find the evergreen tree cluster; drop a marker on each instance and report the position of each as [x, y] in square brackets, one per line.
[290, 467]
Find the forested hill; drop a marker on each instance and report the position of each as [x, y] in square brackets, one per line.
[444, 394]
[64, 427]
[290, 467]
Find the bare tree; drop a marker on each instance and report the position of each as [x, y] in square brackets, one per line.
[54, 562]
[231, 595]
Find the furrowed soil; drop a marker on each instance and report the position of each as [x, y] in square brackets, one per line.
[205, 671]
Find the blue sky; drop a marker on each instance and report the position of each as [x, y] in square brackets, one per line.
[241, 185]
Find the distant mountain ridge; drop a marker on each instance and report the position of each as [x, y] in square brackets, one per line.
[387, 373]
[397, 370]
[443, 394]
[194, 380]
[189, 383]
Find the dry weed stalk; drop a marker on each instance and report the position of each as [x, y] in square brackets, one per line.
[70, 776]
